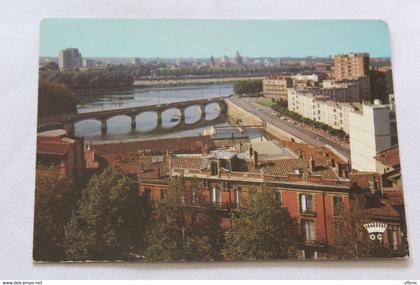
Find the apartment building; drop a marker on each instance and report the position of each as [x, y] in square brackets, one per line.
[321, 109]
[275, 87]
[370, 134]
[351, 66]
[69, 58]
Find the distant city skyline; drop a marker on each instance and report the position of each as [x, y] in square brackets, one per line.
[203, 38]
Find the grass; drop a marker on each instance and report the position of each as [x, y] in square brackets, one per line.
[266, 102]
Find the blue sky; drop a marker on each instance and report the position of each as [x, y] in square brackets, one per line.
[202, 38]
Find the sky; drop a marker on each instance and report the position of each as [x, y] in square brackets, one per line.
[202, 38]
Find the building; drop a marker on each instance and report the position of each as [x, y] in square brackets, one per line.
[56, 148]
[69, 59]
[306, 182]
[388, 166]
[135, 61]
[351, 66]
[275, 87]
[320, 109]
[237, 59]
[224, 61]
[370, 134]
[88, 62]
[355, 90]
[212, 61]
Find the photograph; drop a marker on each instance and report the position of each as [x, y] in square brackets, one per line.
[213, 140]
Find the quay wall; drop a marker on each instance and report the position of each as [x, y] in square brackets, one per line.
[239, 115]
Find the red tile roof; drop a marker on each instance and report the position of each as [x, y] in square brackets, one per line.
[52, 147]
[383, 211]
[389, 156]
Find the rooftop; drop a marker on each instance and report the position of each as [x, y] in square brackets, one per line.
[389, 156]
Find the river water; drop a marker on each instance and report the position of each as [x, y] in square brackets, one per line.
[119, 126]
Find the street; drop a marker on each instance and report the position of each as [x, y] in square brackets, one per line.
[265, 113]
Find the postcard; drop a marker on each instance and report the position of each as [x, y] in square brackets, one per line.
[216, 140]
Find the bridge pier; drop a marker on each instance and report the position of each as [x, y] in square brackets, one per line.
[202, 111]
[133, 123]
[158, 119]
[104, 126]
[181, 114]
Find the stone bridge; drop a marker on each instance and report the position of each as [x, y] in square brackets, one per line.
[68, 121]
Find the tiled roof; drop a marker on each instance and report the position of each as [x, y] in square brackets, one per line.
[152, 166]
[389, 156]
[126, 162]
[280, 168]
[284, 167]
[52, 147]
[383, 211]
[186, 162]
[363, 179]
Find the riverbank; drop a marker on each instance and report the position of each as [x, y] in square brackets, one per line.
[190, 81]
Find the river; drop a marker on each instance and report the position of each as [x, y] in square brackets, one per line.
[119, 126]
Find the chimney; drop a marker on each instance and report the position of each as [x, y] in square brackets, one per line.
[255, 157]
[312, 163]
[156, 172]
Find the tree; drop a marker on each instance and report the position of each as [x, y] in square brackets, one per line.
[351, 240]
[377, 85]
[263, 230]
[183, 226]
[251, 86]
[109, 222]
[54, 99]
[55, 197]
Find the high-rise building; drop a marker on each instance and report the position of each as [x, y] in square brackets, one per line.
[351, 66]
[370, 133]
[70, 58]
[135, 61]
[237, 59]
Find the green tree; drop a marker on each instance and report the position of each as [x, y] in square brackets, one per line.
[55, 198]
[351, 239]
[110, 220]
[263, 230]
[251, 86]
[54, 99]
[183, 226]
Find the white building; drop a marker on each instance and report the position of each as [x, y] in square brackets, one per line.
[318, 108]
[69, 58]
[370, 134]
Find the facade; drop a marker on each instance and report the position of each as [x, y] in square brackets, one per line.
[56, 148]
[276, 87]
[370, 134]
[88, 62]
[351, 66]
[355, 90]
[69, 59]
[308, 186]
[237, 59]
[320, 109]
[135, 61]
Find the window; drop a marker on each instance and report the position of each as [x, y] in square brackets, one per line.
[306, 203]
[238, 197]
[162, 194]
[277, 199]
[338, 206]
[216, 196]
[147, 193]
[392, 237]
[214, 168]
[308, 230]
